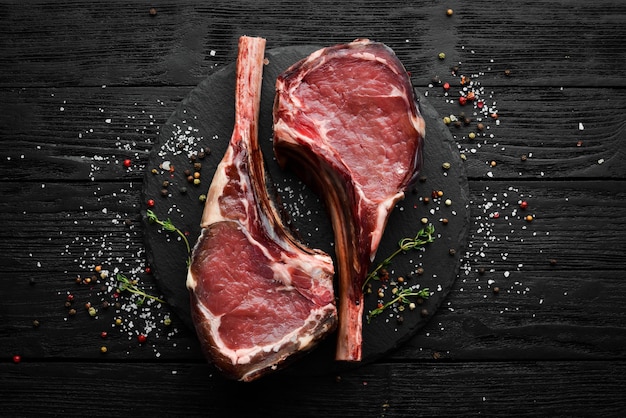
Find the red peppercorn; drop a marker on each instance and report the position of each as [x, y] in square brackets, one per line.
[523, 204]
[17, 358]
[446, 86]
[462, 100]
[148, 269]
[496, 215]
[142, 338]
[70, 297]
[127, 163]
[150, 203]
[103, 334]
[480, 104]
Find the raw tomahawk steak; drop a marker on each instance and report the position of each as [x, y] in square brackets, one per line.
[346, 120]
[258, 296]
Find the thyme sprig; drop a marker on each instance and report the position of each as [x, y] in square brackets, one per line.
[423, 237]
[402, 297]
[169, 226]
[125, 284]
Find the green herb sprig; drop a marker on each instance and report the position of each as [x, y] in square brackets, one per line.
[169, 226]
[423, 237]
[125, 284]
[402, 297]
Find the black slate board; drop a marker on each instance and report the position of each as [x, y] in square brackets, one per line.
[204, 121]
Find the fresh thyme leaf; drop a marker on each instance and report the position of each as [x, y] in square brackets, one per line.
[402, 297]
[131, 286]
[169, 226]
[423, 237]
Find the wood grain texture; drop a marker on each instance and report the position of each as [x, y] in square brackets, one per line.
[85, 85]
[118, 43]
[521, 389]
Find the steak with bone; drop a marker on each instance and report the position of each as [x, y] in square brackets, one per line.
[346, 120]
[258, 296]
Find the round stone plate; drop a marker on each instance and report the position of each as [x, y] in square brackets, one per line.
[203, 123]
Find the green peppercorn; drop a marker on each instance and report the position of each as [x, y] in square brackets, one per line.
[442, 55]
[446, 166]
[202, 198]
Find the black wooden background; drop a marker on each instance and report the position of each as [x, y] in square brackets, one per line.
[85, 85]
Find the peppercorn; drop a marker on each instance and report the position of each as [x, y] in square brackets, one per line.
[400, 279]
[471, 135]
[17, 358]
[36, 323]
[128, 222]
[553, 261]
[442, 55]
[196, 175]
[72, 312]
[446, 86]
[424, 221]
[493, 163]
[150, 203]
[183, 190]
[412, 306]
[524, 157]
[202, 198]
[127, 163]
[447, 120]
[426, 199]
[448, 202]
[152, 11]
[480, 126]
[202, 154]
[467, 121]
[529, 218]
[164, 192]
[187, 172]
[444, 221]
[92, 311]
[167, 321]
[118, 321]
[197, 166]
[142, 338]
[103, 349]
[457, 124]
[481, 271]
[419, 271]
[154, 171]
[496, 290]
[424, 312]
[523, 204]
[105, 305]
[452, 251]
[399, 319]
[462, 100]
[449, 12]
[507, 72]
[436, 80]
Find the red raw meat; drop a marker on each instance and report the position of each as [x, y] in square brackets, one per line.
[346, 120]
[258, 296]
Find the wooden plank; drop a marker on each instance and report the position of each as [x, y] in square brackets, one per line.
[81, 43]
[63, 230]
[80, 133]
[522, 389]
